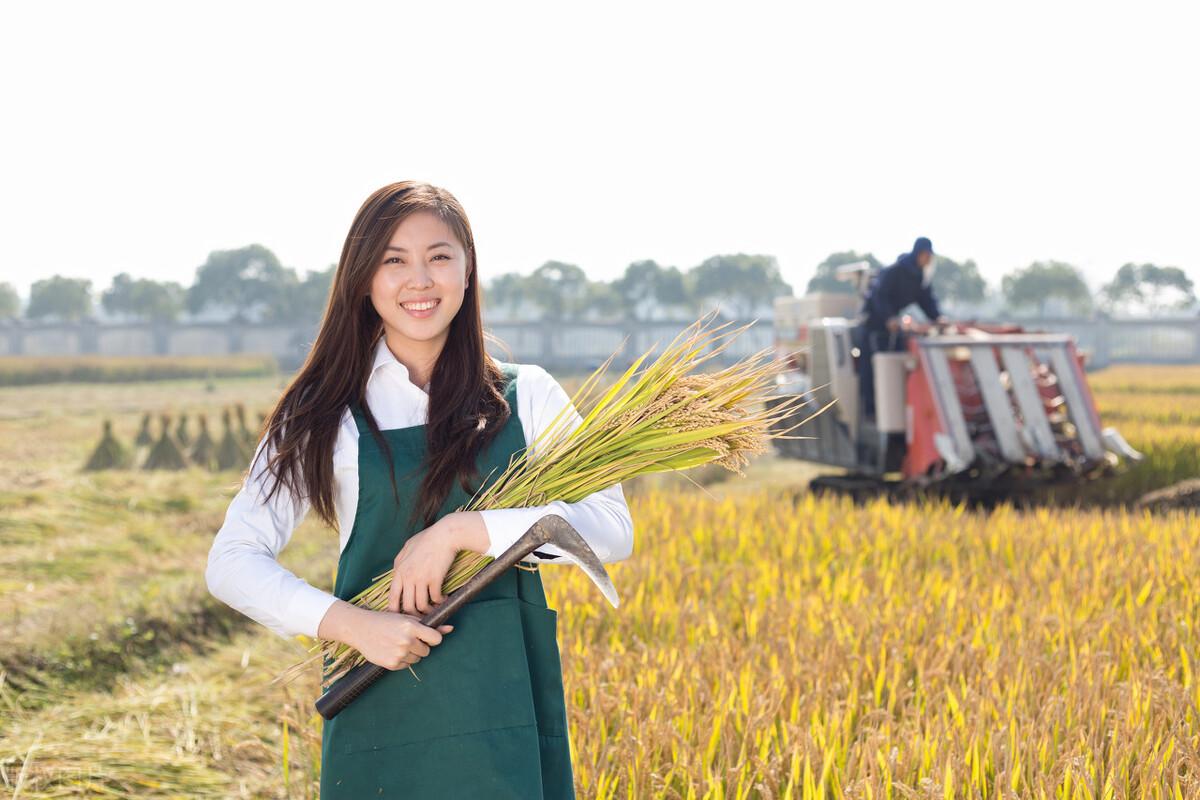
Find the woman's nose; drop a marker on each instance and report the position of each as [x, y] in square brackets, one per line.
[421, 277]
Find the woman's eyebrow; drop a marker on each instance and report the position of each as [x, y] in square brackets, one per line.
[404, 250]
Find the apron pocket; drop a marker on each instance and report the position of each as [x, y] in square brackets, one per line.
[545, 667]
[477, 679]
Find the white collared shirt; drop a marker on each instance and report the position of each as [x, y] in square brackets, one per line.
[243, 570]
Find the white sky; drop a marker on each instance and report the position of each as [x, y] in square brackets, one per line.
[140, 136]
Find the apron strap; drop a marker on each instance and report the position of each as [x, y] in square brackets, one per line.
[359, 419]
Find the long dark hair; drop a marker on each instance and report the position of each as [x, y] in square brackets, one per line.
[467, 408]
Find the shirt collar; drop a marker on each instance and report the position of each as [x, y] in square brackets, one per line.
[384, 356]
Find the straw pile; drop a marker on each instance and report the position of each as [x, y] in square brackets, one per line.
[144, 437]
[166, 453]
[204, 449]
[231, 452]
[109, 453]
[181, 431]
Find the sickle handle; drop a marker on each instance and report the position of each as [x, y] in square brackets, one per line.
[348, 687]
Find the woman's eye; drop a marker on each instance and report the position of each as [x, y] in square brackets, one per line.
[396, 259]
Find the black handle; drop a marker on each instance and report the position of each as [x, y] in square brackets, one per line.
[348, 687]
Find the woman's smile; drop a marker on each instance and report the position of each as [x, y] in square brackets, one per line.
[421, 308]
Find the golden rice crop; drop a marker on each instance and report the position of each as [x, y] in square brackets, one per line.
[1146, 379]
[1157, 410]
[809, 648]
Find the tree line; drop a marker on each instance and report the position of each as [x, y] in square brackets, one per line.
[250, 283]
[1038, 287]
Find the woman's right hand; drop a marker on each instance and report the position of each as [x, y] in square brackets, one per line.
[386, 638]
[396, 641]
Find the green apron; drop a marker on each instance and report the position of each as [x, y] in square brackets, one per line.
[487, 717]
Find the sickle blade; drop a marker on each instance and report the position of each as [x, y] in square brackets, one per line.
[564, 535]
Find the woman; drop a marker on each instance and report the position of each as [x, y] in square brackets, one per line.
[395, 420]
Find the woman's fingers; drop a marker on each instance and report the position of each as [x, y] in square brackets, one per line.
[396, 641]
[412, 596]
[420, 645]
[420, 590]
[435, 597]
[393, 603]
[406, 604]
[431, 635]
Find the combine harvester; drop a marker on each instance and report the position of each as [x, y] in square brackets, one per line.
[975, 412]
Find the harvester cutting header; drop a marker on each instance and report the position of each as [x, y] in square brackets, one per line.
[983, 411]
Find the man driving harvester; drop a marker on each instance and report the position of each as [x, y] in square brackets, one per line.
[907, 281]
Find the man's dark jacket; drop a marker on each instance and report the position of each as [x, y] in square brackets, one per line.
[894, 288]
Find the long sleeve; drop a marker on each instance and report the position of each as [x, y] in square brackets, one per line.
[602, 518]
[928, 302]
[881, 301]
[243, 570]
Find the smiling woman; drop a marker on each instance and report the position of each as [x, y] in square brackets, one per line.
[385, 432]
[424, 275]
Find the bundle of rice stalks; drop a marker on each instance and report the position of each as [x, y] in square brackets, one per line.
[109, 453]
[204, 450]
[144, 437]
[667, 416]
[181, 431]
[166, 453]
[231, 452]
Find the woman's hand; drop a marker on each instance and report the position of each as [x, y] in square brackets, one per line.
[421, 565]
[389, 640]
[395, 641]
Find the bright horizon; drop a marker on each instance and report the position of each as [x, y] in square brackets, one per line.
[140, 136]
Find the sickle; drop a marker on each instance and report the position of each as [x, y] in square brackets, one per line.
[550, 529]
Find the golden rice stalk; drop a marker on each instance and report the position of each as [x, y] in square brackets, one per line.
[665, 415]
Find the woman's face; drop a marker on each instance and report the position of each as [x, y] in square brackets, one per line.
[423, 263]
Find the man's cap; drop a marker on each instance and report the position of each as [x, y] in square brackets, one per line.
[922, 245]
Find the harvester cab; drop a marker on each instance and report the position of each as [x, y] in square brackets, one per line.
[981, 411]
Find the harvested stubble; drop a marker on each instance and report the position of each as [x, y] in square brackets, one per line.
[204, 728]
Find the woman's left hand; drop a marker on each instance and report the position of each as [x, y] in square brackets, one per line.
[421, 565]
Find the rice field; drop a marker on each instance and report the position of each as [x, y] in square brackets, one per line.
[768, 644]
